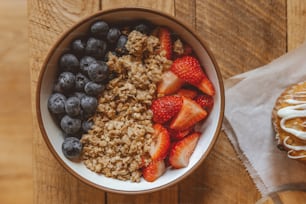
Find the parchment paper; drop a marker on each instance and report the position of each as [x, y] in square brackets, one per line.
[250, 98]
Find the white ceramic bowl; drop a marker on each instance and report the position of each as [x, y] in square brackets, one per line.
[52, 133]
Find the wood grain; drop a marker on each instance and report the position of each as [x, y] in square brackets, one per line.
[169, 195]
[296, 12]
[166, 6]
[186, 11]
[241, 34]
[284, 197]
[47, 20]
[15, 113]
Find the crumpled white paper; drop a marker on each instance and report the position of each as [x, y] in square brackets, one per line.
[250, 98]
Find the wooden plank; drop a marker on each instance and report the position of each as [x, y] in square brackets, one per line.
[213, 181]
[186, 12]
[166, 6]
[15, 120]
[296, 23]
[241, 37]
[48, 19]
[168, 195]
[284, 197]
[243, 34]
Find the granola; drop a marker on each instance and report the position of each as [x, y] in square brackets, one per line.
[118, 144]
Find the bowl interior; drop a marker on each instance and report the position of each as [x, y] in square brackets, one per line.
[54, 136]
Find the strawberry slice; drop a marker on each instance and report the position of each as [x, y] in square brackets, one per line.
[165, 42]
[189, 115]
[160, 144]
[187, 93]
[205, 101]
[178, 135]
[181, 151]
[206, 86]
[169, 84]
[166, 107]
[189, 69]
[154, 170]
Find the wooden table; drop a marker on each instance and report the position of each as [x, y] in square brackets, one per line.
[241, 34]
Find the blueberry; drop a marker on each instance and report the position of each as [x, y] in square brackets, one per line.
[80, 82]
[120, 47]
[73, 106]
[66, 81]
[93, 89]
[98, 71]
[85, 62]
[87, 125]
[143, 28]
[69, 62]
[113, 35]
[96, 48]
[56, 103]
[89, 104]
[99, 29]
[72, 147]
[79, 95]
[78, 46]
[70, 125]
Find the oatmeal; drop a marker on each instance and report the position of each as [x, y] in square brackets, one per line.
[118, 144]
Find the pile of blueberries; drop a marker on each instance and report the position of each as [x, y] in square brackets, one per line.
[82, 77]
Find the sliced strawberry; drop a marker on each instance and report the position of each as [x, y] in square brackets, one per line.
[206, 101]
[187, 93]
[166, 107]
[160, 144]
[165, 42]
[154, 170]
[178, 135]
[189, 69]
[181, 151]
[206, 86]
[169, 83]
[189, 115]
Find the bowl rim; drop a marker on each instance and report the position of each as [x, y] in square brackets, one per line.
[88, 18]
